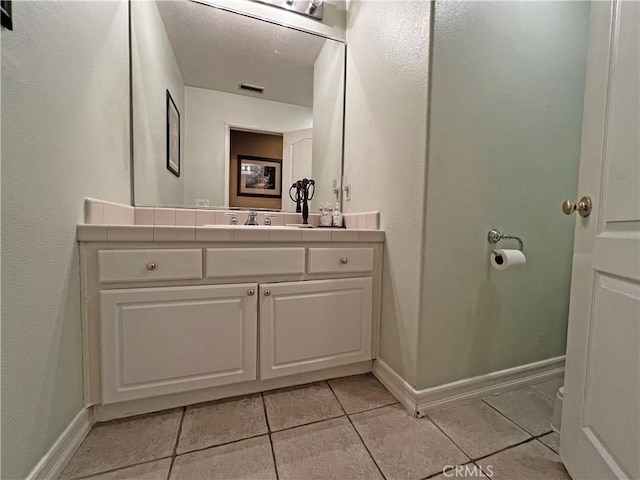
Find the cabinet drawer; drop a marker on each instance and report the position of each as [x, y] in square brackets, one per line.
[149, 265]
[340, 260]
[242, 262]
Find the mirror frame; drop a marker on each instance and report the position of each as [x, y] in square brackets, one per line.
[340, 194]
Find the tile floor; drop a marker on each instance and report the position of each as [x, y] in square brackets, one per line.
[343, 429]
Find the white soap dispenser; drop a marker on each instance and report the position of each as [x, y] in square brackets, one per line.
[325, 217]
[336, 219]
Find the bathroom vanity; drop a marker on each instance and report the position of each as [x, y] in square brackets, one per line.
[232, 310]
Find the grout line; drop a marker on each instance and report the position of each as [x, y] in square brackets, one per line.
[255, 436]
[344, 413]
[512, 421]
[89, 475]
[122, 467]
[532, 437]
[446, 435]
[557, 453]
[336, 396]
[175, 445]
[174, 453]
[373, 408]
[221, 444]
[395, 400]
[308, 423]
[357, 432]
[504, 449]
[273, 452]
[544, 434]
[484, 473]
[269, 431]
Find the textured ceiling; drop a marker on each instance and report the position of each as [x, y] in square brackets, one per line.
[216, 49]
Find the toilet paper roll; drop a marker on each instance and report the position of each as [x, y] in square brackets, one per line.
[502, 259]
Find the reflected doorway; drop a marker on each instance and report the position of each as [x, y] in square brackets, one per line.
[292, 150]
[268, 146]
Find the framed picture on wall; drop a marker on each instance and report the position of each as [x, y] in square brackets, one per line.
[173, 136]
[259, 177]
[5, 14]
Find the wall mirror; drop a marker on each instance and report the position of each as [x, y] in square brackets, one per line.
[243, 88]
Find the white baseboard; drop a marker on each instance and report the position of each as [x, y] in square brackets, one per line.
[420, 402]
[53, 462]
[397, 385]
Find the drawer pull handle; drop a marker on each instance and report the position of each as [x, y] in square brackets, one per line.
[267, 292]
[344, 260]
[151, 266]
[250, 292]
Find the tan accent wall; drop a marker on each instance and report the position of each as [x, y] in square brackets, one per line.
[256, 145]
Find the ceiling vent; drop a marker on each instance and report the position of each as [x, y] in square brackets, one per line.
[251, 88]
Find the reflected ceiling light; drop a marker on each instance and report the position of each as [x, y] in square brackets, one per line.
[251, 88]
[314, 4]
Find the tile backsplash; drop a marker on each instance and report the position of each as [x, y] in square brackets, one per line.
[99, 212]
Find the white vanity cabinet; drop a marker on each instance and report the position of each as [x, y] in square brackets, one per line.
[157, 341]
[306, 326]
[167, 324]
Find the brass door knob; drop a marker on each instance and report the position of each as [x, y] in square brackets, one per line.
[151, 266]
[583, 207]
[251, 292]
[267, 292]
[344, 260]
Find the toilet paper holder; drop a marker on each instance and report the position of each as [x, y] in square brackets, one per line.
[494, 236]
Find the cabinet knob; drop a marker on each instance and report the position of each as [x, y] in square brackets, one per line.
[250, 292]
[267, 292]
[151, 266]
[344, 260]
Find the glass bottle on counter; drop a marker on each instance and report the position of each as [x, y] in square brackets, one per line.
[336, 216]
[325, 215]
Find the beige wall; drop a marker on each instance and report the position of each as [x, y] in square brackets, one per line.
[506, 117]
[503, 148]
[65, 136]
[328, 108]
[155, 70]
[254, 145]
[385, 145]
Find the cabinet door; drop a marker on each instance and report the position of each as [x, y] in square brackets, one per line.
[307, 326]
[158, 341]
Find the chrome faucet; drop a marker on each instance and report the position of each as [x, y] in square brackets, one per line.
[233, 218]
[252, 219]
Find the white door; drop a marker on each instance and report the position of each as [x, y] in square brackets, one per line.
[307, 326]
[157, 341]
[600, 436]
[296, 160]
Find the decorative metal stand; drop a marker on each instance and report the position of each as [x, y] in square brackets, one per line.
[298, 196]
[304, 190]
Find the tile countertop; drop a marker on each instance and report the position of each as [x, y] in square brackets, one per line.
[171, 233]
